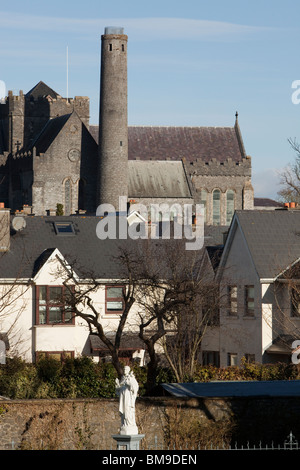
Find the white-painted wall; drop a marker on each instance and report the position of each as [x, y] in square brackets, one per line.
[18, 317]
[240, 334]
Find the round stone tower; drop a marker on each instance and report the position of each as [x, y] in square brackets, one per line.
[113, 125]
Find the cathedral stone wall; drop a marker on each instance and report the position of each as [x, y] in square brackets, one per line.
[57, 173]
[207, 177]
[44, 162]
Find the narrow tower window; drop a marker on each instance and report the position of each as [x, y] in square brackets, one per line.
[203, 199]
[123, 48]
[81, 194]
[68, 197]
[110, 47]
[216, 207]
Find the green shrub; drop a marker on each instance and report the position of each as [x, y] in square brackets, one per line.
[18, 379]
[107, 378]
[84, 376]
[49, 369]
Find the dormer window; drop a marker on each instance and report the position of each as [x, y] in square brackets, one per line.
[64, 228]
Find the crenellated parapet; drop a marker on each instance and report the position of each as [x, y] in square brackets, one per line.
[53, 107]
[217, 167]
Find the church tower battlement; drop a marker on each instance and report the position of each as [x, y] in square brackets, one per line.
[113, 120]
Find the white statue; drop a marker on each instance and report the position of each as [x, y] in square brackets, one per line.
[127, 389]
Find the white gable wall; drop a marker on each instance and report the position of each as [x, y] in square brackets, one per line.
[240, 334]
[16, 317]
[26, 337]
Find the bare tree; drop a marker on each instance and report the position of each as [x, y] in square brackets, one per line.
[290, 177]
[173, 299]
[79, 298]
[177, 299]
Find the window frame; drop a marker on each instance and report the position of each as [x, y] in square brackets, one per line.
[216, 208]
[203, 201]
[249, 358]
[232, 299]
[211, 358]
[249, 311]
[230, 212]
[48, 304]
[64, 233]
[114, 299]
[232, 359]
[48, 354]
[68, 194]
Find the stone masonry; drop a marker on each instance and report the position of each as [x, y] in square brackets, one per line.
[89, 424]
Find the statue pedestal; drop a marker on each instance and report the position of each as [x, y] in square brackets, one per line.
[128, 441]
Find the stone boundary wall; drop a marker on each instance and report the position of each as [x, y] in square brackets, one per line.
[89, 424]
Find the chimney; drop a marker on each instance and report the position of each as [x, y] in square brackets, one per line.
[4, 228]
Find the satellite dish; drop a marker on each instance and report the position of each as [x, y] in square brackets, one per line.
[18, 223]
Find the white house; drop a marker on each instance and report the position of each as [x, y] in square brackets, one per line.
[256, 269]
[36, 261]
[259, 317]
[38, 254]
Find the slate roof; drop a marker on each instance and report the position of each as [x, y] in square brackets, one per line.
[273, 238]
[31, 247]
[157, 179]
[176, 143]
[128, 341]
[40, 90]
[49, 133]
[266, 202]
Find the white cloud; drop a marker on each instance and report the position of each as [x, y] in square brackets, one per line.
[147, 28]
[266, 183]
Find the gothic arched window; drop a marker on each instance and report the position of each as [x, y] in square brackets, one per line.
[203, 201]
[68, 197]
[229, 206]
[216, 207]
[81, 194]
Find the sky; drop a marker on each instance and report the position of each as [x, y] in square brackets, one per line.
[190, 63]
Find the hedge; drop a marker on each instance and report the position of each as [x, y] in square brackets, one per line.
[83, 378]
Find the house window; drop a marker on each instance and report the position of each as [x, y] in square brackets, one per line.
[53, 305]
[211, 358]
[295, 303]
[58, 355]
[232, 300]
[216, 207]
[114, 301]
[250, 358]
[249, 300]
[229, 206]
[64, 228]
[232, 359]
